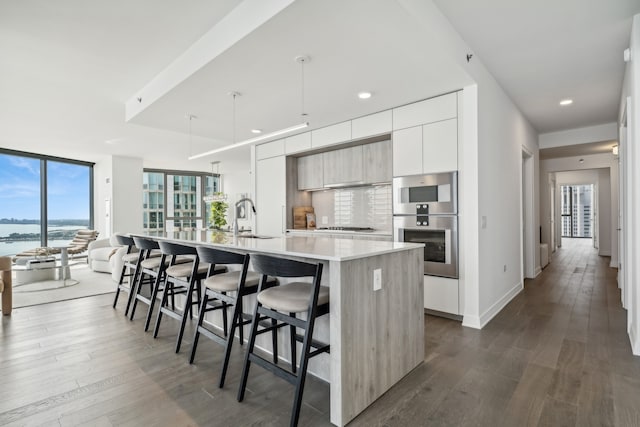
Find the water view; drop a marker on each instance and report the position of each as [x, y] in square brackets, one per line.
[16, 238]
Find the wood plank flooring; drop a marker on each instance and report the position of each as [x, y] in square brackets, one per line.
[557, 355]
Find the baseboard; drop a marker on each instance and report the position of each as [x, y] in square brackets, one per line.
[471, 322]
[635, 341]
[500, 304]
[537, 272]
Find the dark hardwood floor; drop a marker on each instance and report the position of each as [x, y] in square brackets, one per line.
[557, 355]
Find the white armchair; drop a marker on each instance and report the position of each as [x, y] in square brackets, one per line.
[105, 256]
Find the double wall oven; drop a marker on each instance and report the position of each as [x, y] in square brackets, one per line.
[425, 210]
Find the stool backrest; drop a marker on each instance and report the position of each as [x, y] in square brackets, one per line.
[125, 240]
[219, 257]
[174, 249]
[283, 267]
[145, 244]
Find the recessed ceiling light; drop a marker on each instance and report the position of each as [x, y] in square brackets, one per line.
[364, 95]
[256, 130]
[566, 102]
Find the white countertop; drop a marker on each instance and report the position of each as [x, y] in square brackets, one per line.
[314, 247]
[337, 232]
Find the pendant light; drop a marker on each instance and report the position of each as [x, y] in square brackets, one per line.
[302, 60]
[216, 196]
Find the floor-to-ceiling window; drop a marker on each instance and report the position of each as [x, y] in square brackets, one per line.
[43, 200]
[576, 202]
[183, 193]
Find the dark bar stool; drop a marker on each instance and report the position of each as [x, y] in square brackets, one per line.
[222, 291]
[291, 298]
[129, 269]
[182, 279]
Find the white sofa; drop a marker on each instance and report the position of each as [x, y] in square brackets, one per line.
[105, 256]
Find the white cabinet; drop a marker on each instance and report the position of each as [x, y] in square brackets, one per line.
[270, 149]
[331, 135]
[428, 111]
[343, 166]
[441, 294]
[297, 143]
[271, 196]
[440, 146]
[373, 124]
[310, 172]
[426, 149]
[407, 151]
[377, 164]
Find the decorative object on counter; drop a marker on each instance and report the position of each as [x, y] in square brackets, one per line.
[300, 216]
[311, 220]
[218, 213]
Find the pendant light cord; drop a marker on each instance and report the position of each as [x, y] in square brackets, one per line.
[302, 113]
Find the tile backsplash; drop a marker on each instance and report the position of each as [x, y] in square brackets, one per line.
[369, 206]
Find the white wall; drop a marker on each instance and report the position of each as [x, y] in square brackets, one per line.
[118, 179]
[630, 156]
[596, 168]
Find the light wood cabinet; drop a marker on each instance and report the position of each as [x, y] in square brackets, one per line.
[440, 146]
[271, 196]
[407, 151]
[310, 172]
[377, 162]
[343, 166]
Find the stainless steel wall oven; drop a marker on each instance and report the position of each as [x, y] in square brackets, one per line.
[425, 210]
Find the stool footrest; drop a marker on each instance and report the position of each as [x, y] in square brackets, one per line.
[275, 369]
[320, 347]
[212, 335]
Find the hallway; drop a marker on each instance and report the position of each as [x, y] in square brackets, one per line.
[557, 355]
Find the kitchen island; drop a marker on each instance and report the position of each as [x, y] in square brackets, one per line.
[376, 336]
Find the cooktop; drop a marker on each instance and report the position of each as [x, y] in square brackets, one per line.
[345, 228]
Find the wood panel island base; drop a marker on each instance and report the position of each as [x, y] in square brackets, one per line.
[376, 336]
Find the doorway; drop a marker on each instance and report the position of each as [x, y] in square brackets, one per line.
[577, 211]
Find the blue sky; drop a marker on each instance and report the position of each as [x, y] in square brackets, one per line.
[68, 189]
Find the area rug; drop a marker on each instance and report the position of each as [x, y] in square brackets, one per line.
[89, 283]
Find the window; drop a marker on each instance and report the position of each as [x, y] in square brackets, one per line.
[184, 191]
[44, 200]
[575, 205]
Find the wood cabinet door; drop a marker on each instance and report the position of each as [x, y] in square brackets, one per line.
[343, 166]
[310, 172]
[377, 162]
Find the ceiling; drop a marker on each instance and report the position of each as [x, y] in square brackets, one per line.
[68, 67]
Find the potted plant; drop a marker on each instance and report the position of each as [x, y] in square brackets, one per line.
[218, 213]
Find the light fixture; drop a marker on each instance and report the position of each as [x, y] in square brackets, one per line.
[364, 95]
[565, 102]
[256, 131]
[614, 150]
[299, 59]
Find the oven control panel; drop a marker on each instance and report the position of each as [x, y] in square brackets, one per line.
[422, 221]
[422, 209]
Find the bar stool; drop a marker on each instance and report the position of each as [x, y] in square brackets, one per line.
[129, 269]
[149, 272]
[181, 279]
[222, 291]
[291, 298]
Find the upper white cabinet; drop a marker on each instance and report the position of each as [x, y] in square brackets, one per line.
[270, 149]
[331, 135]
[407, 151]
[430, 110]
[426, 149]
[310, 172]
[297, 143]
[373, 124]
[343, 166]
[376, 162]
[440, 146]
[271, 195]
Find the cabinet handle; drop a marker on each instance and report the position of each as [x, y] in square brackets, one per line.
[284, 218]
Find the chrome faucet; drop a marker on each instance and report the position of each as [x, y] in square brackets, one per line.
[235, 214]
